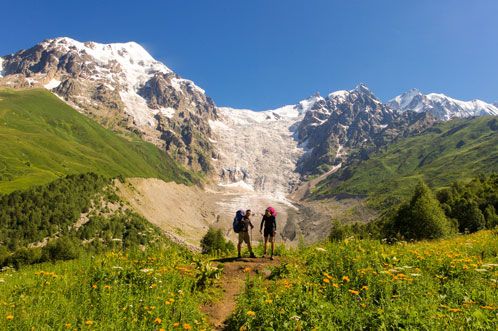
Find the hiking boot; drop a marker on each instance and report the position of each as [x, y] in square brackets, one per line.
[252, 255]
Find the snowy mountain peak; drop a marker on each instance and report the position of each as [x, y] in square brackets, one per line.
[363, 88]
[307, 104]
[440, 105]
[122, 86]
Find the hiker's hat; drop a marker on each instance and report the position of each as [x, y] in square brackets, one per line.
[272, 211]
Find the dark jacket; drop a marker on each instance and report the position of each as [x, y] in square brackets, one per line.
[269, 222]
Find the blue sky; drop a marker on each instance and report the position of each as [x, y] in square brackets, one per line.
[262, 54]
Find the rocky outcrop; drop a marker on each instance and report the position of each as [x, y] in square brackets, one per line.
[341, 122]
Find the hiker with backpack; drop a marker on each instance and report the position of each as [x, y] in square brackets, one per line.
[270, 224]
[241, 224]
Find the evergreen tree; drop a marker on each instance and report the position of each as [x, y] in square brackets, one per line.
[422, 217]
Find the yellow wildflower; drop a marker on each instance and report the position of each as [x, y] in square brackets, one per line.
[326, 280]
[176, 324]
[88, 322]
[345, 279]
[158, 320]
[251, 313]
[187, 326]
[354, 292]
[9, 317]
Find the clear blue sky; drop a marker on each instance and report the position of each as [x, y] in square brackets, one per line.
[262, 54]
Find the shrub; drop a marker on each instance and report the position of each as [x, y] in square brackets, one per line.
[214, 242]
[60, 249]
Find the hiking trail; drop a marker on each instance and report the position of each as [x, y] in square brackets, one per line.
[232, 283]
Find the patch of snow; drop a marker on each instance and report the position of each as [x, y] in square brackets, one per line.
[1, 66]
[240, 184]
[52, 84]
[307, 104]
[168, 112]
[137, 107]
[342, 94]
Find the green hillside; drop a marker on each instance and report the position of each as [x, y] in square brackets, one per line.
[455, 150]
[43, 139]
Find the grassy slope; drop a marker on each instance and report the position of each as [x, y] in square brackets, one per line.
[43, 138]
[433, 156]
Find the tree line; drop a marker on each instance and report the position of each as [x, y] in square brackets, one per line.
[459, 208]
[49, 213]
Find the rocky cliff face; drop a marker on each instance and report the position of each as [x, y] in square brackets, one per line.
[349, 124]
[124, 88]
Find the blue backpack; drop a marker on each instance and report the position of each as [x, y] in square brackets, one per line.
[237, 221]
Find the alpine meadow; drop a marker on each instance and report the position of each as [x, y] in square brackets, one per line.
[131, 198]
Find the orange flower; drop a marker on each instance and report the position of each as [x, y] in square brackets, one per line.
[454, 310]
[176, 324]
[158, 320]
[68, 325]
[354, 292]
[326, 280]
[94, 286]
[345, 279]
[365, 288]
[488, 307]
[335, 285]
[187, 326]
[107, 287]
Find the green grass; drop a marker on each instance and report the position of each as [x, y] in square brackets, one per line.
[113, 291]
[455, 150]
[42, 139]
[366, 285]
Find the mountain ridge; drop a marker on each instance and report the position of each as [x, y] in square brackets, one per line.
[125, 88]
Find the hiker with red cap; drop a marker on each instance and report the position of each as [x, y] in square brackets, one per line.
[270, 224]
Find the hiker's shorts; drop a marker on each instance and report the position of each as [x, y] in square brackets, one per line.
[243, 237]
[269, 233]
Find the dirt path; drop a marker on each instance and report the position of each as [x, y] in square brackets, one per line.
[232, 284]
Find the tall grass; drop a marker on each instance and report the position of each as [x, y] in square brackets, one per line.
[361, 284]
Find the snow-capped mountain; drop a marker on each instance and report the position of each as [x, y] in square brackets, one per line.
[271, 150]
[122, 86]
[440, 105]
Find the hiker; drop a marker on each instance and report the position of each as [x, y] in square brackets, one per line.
[270, 223]
[244, 233]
